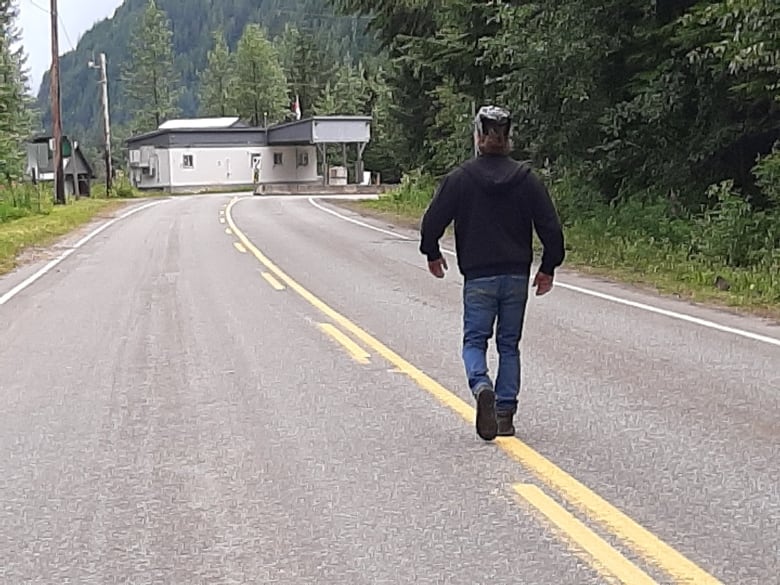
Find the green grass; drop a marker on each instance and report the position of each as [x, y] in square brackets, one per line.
[40, 228]
[616, 245]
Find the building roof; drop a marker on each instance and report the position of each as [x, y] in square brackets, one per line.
[208, 132]
[193, 136]
[201, 123]
[322, 130]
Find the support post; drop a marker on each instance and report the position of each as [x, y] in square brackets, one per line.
[361, 148]
[345, 158]
[323, 150]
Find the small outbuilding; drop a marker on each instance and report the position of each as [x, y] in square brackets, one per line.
[77, 170]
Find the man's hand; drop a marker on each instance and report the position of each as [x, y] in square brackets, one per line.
[437, 267]
[543, 283]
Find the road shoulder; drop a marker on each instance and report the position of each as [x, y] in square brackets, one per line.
[52, 245]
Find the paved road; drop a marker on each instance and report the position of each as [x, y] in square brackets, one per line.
[285, 403]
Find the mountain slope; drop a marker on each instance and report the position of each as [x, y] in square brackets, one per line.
[192, 22]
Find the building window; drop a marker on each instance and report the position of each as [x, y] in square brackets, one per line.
[278, 158]
[303, 159]
[188, 161]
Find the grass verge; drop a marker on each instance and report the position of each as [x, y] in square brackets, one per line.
[42, 229]
[596, 247]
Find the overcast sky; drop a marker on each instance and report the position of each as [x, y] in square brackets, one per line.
[76, 17]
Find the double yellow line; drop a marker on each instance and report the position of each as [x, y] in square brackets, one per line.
[269, 278]
[606, 559]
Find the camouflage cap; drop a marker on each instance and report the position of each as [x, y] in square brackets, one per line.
[492, 116]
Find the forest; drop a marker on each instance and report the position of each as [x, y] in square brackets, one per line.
[655, 124]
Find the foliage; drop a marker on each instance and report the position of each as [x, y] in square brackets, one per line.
[308, 65]
[21, 200]
[15, 113]
[259, 87]
[216, 81]
[345, 94]
[150, 79]
[743, 40]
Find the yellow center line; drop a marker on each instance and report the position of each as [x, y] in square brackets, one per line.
[681, 569]
[272, 281]
[357, 352]
[607, 561]
[240, 247]
[228, 231]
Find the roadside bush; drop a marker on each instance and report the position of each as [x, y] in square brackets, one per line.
[123, 189]
[20, 200]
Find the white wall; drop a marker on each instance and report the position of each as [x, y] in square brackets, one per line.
[225, 166]
[211, 166]
[292, 168]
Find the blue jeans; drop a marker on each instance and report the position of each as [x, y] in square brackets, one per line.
[486, 300]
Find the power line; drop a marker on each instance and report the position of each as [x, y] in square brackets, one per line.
[59, 18]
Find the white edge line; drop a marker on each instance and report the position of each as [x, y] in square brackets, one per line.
[357, 222]
[42, 271]
[585, 291]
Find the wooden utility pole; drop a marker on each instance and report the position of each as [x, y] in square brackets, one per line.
[106, 122]
[59, 175]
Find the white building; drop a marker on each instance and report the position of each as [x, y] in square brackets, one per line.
[207, 153]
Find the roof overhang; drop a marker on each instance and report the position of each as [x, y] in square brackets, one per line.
[322, 130]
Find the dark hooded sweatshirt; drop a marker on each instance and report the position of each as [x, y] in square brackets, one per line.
[495, 203]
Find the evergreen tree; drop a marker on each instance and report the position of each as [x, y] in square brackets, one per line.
[15, 103]
[308, 62]
[345, 95]
[217, 79]
[385, 153]
[150, 80]
[260, 85]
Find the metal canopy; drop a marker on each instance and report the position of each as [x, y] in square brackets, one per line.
[322, 130]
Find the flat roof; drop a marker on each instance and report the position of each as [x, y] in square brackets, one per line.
[321, 119]
[201, 123]
[322, 130]
[165, 131]
[312, 130]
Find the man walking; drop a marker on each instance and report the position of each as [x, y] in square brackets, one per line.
[495, 203]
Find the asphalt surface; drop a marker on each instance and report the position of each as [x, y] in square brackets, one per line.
[168, 416]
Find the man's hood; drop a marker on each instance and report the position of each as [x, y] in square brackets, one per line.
[494, 174]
